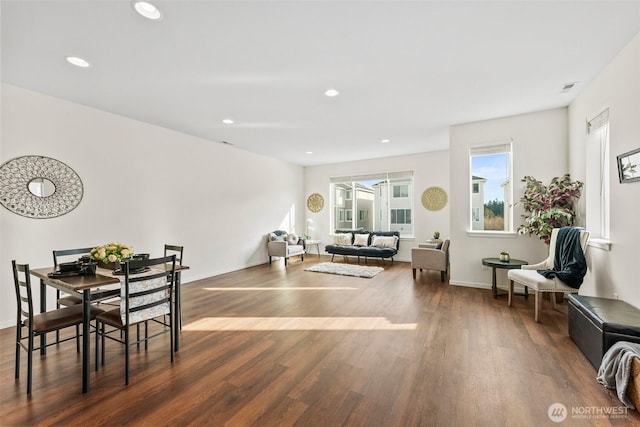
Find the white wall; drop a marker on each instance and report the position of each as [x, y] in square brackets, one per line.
[540, 150]
[146, 186]
[429, 169]
[618, 88]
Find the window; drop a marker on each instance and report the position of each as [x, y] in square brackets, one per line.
[375, 198]
[400, 191]
[491, 189]
[400, 216]
[597, 176]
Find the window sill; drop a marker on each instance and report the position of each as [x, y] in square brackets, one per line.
[500, 234]
[604, 244]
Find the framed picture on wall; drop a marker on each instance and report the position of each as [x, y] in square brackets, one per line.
[629, 166]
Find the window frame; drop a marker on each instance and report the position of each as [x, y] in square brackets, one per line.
[372, 196]
[483, 149]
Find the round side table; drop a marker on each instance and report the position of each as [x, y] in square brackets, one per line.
[495, 263]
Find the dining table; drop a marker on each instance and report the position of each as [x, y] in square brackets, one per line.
[82, 285]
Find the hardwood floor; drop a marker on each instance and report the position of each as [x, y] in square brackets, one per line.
[276, 346]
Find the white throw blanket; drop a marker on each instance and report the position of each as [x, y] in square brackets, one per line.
[616, 367]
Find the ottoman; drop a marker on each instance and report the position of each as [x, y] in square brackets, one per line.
[595, 324]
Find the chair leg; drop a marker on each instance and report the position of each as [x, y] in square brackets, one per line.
[510, 293]
[29, 362]
[97, 344]
[138, 335]
[538, 303]
[126, 356]
[269, 259]
[102, 350]
[553, 300]
[442, 276]
[18, 339]
[414, 273]
[146, 335]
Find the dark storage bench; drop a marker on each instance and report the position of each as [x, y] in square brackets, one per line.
[595, 324]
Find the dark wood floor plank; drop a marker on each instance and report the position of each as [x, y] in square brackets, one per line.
[385, 351]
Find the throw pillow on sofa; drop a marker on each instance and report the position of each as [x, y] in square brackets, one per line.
[384, 241]
[292, 239]
[361, 240]
[343, 239]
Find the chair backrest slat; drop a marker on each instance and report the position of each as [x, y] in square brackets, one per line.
[68, 252]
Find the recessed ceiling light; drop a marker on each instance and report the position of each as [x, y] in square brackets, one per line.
[147, 10]
[385, 141]
[78, 62]
[332, 92]
[309, 152]
[227, 121]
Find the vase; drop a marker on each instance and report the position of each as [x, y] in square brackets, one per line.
[504, 258]
[109, 265]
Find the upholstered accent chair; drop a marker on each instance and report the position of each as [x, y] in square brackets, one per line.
[529, 277]
[431, 259]
[285, 245]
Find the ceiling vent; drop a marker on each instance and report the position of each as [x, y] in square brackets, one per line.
[568, 86]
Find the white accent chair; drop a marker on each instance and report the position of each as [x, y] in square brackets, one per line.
[431, 259]
[285, 245]
[530, 278]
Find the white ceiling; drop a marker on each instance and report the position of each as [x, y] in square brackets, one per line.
[406, 70]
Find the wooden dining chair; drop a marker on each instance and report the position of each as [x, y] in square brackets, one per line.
[145, 297]
[39, 324]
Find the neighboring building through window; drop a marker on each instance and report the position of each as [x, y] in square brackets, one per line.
[597, 176]
[490, 188]
[375, 197]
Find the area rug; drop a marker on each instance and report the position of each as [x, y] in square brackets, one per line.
[345, 269]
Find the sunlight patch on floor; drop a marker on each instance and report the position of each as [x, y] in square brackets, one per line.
[284, 288]
[296, 324]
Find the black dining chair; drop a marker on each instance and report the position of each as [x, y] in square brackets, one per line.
[145, 298]
[67, 300]
[39, 324]
[178, 251]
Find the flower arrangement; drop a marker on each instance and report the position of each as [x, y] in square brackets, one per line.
[111, 252]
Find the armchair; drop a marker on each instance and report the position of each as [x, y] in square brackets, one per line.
[431, 259]
[285, 245]
[529, 277]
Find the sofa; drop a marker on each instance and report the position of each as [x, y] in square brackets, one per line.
[367, 244]
[284, 245]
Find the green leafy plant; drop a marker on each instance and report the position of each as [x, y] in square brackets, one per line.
[549, 207]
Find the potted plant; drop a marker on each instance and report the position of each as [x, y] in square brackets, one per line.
[436, 235]
[504, 256]
[548, 207]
